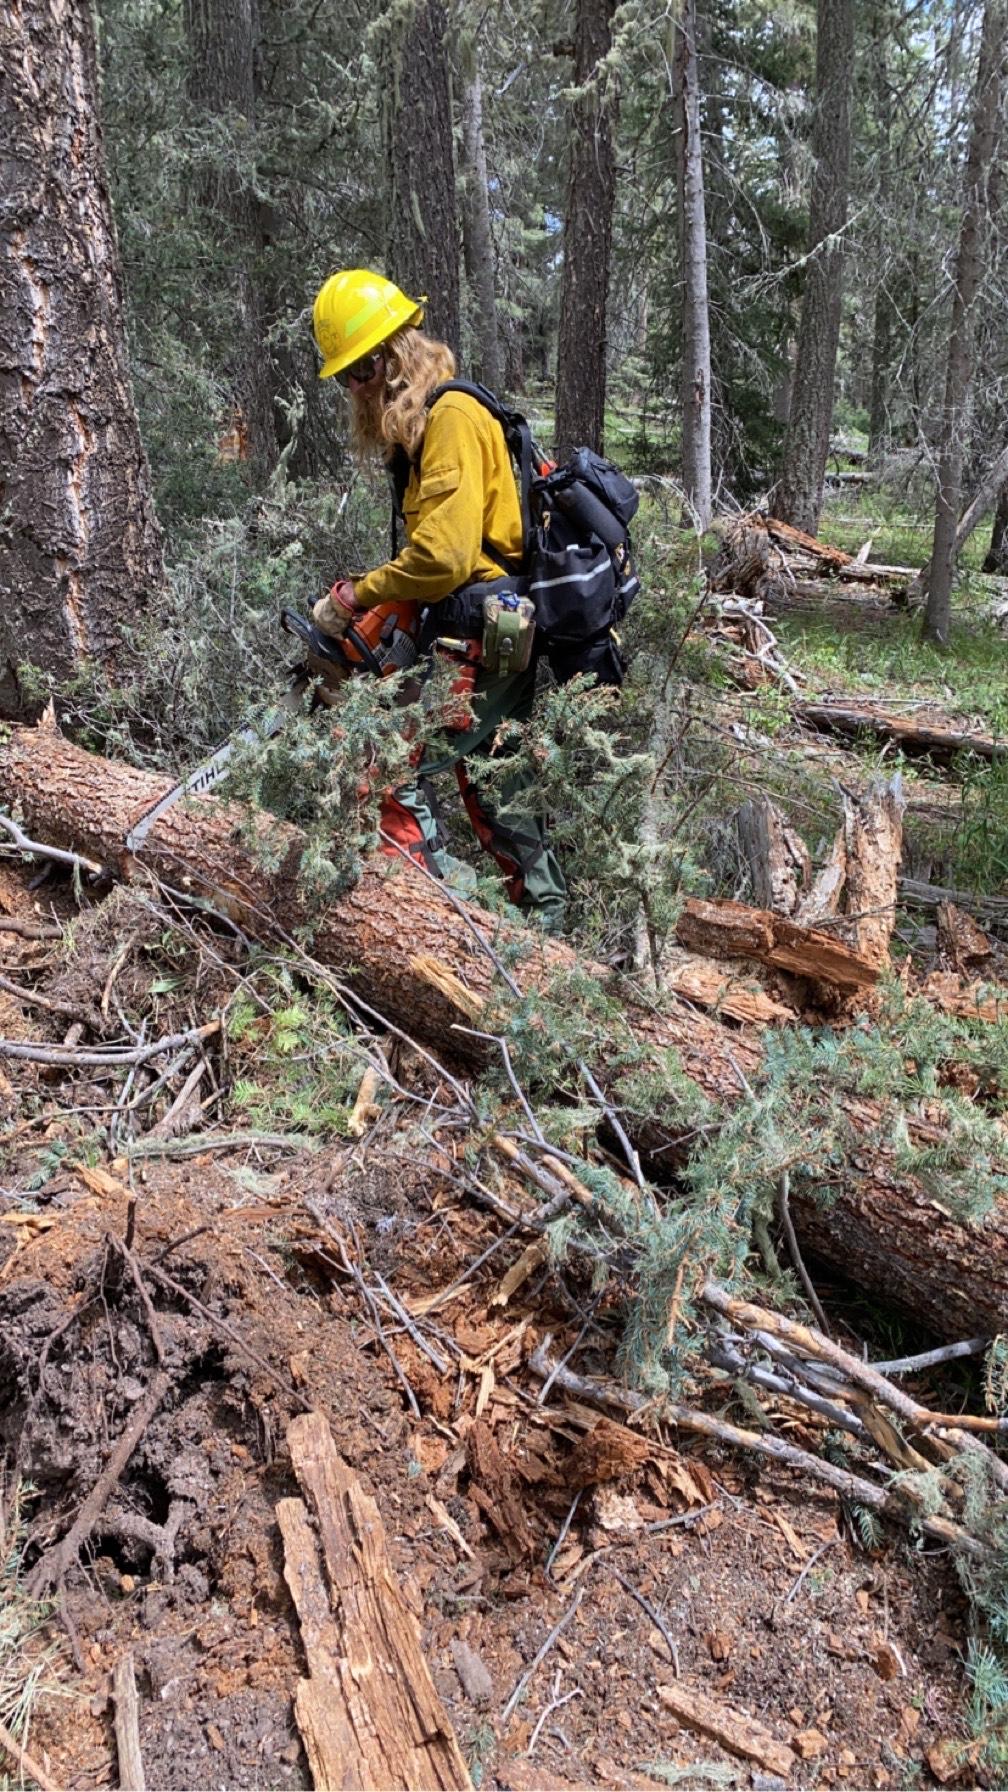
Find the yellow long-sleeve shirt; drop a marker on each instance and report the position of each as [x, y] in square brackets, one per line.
[463, 493]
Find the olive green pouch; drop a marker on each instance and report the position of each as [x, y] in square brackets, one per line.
[508, 633]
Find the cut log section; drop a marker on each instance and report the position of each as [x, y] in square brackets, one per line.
[368, 1713]
[879, 1226]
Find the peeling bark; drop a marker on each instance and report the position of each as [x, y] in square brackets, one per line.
[80, 552]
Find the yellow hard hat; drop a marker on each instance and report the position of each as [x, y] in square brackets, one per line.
[355, 312]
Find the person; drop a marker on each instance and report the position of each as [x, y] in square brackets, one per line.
[459, 503]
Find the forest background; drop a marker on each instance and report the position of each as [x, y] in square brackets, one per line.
[723, 241]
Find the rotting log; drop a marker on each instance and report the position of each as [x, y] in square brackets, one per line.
[732, 930]
[368, 1711]
[877, 1225]
[937, 740]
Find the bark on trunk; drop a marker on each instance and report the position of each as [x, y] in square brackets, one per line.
[882, 27]
[591, 191]
[991, 72]
[80, 551]
[477, 240]
[696, 356]
[806, 445]
[410, 959]
[222, 49]
[423, 238]
[997, 553]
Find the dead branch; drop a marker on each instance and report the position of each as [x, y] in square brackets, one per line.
[49, 1571]
[115, 1056]
[843, 1481]
[127, 1725]
[24, 1762]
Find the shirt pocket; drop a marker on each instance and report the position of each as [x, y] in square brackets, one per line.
[437, 482]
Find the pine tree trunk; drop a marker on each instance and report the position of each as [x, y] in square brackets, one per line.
[997, 553]
[398, 938]
[806, 444]
[591, 192]
[987, 103]
[222, 48]
[476, 238]
[692, 222]
[80, 550]
[423, 238]
[882, 25]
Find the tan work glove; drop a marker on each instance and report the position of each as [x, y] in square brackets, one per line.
[334, 613]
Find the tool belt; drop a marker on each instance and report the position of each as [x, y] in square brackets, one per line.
[496, 612]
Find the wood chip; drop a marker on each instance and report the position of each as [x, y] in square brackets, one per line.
[99, 1181]
[735, 1730]
[532, 1256]
[790, 1535]
[472, 1672]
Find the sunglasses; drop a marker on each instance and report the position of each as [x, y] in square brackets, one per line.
[362, 370]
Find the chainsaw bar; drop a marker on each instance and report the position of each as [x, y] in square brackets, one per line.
[214, 769]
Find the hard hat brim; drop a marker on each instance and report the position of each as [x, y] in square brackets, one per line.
[366, 346]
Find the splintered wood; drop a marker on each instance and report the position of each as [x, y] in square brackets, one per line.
[368, 1712]
[737, 1732]
[732, 930]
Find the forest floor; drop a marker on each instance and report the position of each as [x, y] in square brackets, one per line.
[507, 1513]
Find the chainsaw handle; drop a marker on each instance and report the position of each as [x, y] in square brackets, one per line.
[323, 646]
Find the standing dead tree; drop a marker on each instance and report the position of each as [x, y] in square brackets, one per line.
[692, 222]
[591, 191]
[806, 445]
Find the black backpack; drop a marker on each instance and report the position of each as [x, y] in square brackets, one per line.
[577, 562]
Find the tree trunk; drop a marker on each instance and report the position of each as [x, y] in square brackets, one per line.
[587, 243]
[882, 27]
[987, 101]
[423, 247]
[997, 553]
[477, 241]
[222, 50]
[696, 358]
[806, 444]
[80, 550]
[410, 959]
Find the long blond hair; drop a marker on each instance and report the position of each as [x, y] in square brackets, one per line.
[397, 418]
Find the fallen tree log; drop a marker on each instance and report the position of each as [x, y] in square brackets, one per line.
[937, 741]
[384, 935]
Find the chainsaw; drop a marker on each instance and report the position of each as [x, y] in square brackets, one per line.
[381, 641]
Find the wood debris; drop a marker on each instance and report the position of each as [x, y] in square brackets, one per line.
[734, 1730]
[732, 930]
[368, 1712]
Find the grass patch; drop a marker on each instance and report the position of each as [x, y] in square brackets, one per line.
[966, 678]
[26, 1667]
